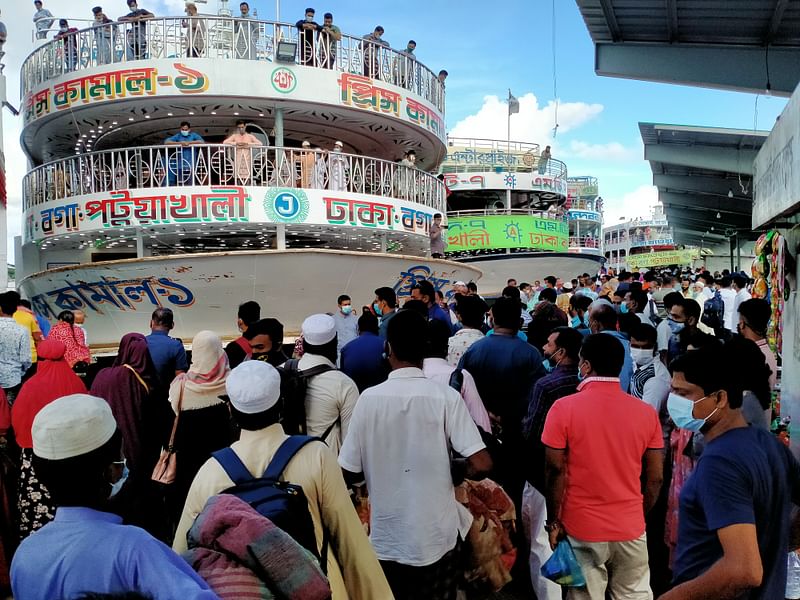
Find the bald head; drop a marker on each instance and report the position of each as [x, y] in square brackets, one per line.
[602, 317]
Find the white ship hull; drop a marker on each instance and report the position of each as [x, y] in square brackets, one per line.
[204, 290]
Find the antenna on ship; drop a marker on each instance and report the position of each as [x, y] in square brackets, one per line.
[223, 10]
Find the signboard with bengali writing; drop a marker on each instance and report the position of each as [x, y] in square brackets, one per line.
[164, 78]
[489, 157]
[224, 204]
[662, 259]
[506, 231]
[506, 181]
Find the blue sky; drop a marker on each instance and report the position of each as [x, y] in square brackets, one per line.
[487, 48]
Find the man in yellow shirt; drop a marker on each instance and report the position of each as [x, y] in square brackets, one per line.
[27, 319]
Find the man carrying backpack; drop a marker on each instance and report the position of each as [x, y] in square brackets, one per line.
[254, 391]
[329, 396]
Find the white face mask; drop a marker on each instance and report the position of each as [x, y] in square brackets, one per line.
[642, 357]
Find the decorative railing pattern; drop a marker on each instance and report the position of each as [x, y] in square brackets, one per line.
[224, 38]
[584, 242]
[217, 164]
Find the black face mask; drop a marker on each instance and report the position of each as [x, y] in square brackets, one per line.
[273, 357]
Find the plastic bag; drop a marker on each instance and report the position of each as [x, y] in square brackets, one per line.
[563, 568]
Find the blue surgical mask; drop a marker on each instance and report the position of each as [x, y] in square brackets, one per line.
[185, 133]
[347, 310]
[547, 363]
[623, 308]
[376, 308]
[576, 322]
[681, 412]
[676, 328]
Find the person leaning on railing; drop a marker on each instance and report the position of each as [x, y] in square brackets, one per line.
[102, 30]
[195, 32]
[137, 34]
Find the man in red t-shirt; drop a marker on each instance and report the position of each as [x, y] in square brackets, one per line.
[597, 441]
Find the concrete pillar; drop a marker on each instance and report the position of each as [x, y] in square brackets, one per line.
[278, 126]
[139, 244]
[281, 236]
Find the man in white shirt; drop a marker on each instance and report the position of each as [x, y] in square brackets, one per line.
[346, 322]
[740, 287]
[332, 395]
[399, 438]
[729, 300]
[651, 379]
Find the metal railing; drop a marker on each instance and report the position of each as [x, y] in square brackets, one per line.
[222, 164]
[484, 144]
[583, 205]
[546, 168]
[482, 212]
[225, 38]
[584, 242]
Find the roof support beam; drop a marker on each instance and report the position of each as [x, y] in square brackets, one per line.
[706, 222]
[672, 20]
[694, 234]
[734, 206]
[698, 184]
[729, 160]
[775, 22]
[739, 68]
[611, 20]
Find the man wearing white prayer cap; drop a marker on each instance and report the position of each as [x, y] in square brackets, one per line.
[86, 548]
[331, 395]
[253, 389]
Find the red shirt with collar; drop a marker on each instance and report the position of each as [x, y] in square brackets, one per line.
[605, 432]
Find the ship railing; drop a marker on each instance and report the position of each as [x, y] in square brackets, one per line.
[544, 167]
[583, 205]
[484, 144]
[482, 212]
[584, 242]
[225, 38]
[223, 164]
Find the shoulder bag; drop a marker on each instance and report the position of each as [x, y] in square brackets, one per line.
[166, 466]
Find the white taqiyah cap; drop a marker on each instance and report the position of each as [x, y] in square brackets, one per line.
[338, 143]
[71, 426]
[306, 144]
[566, 286]
[319, 329]
[459, 283]
[253, 387]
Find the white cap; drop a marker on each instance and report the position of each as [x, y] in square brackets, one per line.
[338, 143]
[306, 144]
[459, 283]
[318, 329]
[253, 387]
[71, 426]
[567, 285]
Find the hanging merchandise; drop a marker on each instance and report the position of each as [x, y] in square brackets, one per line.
[769, 272]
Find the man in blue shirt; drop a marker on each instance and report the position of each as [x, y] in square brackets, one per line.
[733, 524]
[346, 322]
[87, 549]
[180, 165]
[505, 370]
[168, 354]
[362, 358]
[385, 307]
[425, 292]
[603, 319]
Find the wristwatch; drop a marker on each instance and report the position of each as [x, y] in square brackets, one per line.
[549, 526]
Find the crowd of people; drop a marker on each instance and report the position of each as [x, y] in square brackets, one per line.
[619, 412]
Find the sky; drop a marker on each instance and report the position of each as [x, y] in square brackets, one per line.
[487, 48]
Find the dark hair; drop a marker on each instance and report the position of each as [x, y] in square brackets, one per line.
[650, 276]
[439, 295]
[269, 326]
[750, 365]
[643, 332]
[740, 280]
[241, 122]
[699, 339]
[548, 294]
[672, 299]
[80, 480]
[342, 298]
[406, 335]
[387, 295]
[311, 10]
[551, 280]
[328, 15]
[63, 23]
[411, 42]
[640, 298]
[256, 421]
[605, 316]
[67, 316]
[443, 72]
[605, 353]
[512, 292]
[97, 9]
[570, 340]
[627, 322]
[368, 323]
[417, 306]
[185, 123]
[508, 282]
[619, 293]
[25, 303]
[425, 288]
[624, 276]
[8, 304]
[506, 313]
[471, 309]
[524, 284]
[757, 313]
[379, 28]
[580, 302]
[691, 308]
[636, 286]
[244, 4]
[438, 338]
[710, 368]
[163, 316]
[726, 281]
[472, 287]
[437, 216]
[249, 312]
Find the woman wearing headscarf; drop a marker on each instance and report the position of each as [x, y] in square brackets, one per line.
[73, 338]
[204, 421]
[129, 387]
[53, 379]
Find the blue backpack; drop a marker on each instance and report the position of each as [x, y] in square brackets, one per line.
[283, 503]
[714, 312]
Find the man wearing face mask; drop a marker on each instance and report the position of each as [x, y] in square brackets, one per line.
[579, 313]
[601, 508]
[181, 164]
[244, 156]
[385, 307]
[266, 341]
[372, 46]
[684, 317]
[561, 362]
[405, 66]
[650, 379]
[733, 534]
[346, 322]
[137, 35]
[239, 349]
[306, 30]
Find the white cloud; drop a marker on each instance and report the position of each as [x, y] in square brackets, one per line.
[638, 203]
[612, 151]
[533, 124]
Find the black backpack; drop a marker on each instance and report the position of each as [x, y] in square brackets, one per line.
[714, 312]
[283, 503]
[294, 385]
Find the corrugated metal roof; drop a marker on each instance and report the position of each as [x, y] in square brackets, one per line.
[718, 22]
